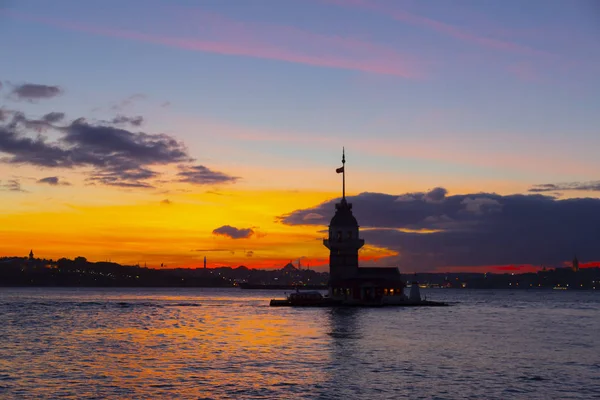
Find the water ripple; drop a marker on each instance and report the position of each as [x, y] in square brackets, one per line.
[202, 343]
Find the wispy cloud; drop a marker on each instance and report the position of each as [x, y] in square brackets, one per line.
[128, 102]
[201, 175]
[593, 186]
[124, 120]
[454, 148]
[454, 31]
[524, 71]
[12, 185]
[220, 35]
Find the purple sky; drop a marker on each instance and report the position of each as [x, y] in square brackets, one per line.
[469, 95]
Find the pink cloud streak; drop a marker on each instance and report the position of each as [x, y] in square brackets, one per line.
[450, 30]
[228, 37]
[453, 149]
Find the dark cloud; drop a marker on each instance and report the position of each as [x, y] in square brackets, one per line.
[32, 91]
[481, 205]
[593, 186]
[53, 181]
[53, 117]
[124, 120]
[233, 232]
[34, 151]
[107, 145]
[12, 185]
[37, 125]
[3, 115]
[471, 230]
[110, 155]
[201, 175]
[133, 176]
[117, 157]
[436, 195]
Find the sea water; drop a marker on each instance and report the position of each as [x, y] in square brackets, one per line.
[228, 343]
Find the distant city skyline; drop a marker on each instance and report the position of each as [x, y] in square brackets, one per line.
[166, 132]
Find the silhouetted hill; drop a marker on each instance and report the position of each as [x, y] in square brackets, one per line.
[80, 272]
[23, 271]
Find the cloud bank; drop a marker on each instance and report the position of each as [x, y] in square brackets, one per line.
[479, 229]
[107, 154]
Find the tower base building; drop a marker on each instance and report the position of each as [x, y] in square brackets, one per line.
[348, 282]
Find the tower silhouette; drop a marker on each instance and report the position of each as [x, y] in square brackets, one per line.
[343, 241]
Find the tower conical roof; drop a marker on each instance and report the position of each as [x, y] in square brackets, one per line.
[343, 215]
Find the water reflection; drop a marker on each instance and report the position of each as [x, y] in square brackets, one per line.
[230, 344]
[344, 323]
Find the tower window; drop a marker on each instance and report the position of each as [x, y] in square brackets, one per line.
[349, 234]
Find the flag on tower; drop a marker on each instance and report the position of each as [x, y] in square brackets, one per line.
[339, 170]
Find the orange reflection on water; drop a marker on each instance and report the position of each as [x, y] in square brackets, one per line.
[218, 347]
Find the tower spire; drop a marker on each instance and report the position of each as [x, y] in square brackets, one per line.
[342, 170]
[343, 173]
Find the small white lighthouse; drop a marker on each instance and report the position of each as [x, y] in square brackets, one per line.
[415, 293]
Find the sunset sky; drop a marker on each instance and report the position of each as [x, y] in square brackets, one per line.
[148, 131]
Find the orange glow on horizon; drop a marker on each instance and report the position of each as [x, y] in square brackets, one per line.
[176, 234]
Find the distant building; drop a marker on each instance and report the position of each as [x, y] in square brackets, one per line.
[31, 255]
[575, 264]
[348, 281]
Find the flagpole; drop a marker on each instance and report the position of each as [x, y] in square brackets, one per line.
[343, 174]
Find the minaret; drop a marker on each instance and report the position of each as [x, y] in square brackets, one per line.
[575, 264]
[204, 262]
[31, 255]
[343, 242]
